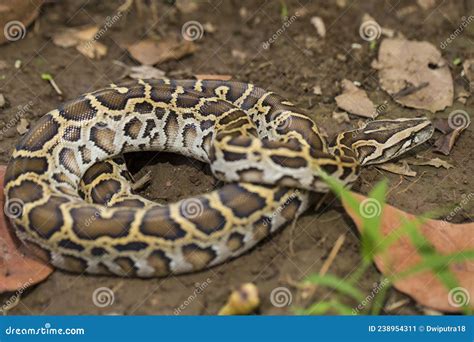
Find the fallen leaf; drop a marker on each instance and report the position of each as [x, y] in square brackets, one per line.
[340, 117]
[150, 52]
[398, 168]
[318, 23]
[213, 77]
[451, 128]
[436, 162]
[355, 101]
[145, 71]
[23, 126]
[83, 38]
[15, 16]
[73, 36]
[19, 269]
[414, 74]
[92, 49]
[402, 255]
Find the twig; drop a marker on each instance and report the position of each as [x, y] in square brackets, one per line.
[142, 181]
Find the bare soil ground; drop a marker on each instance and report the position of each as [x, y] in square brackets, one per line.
[296, 62]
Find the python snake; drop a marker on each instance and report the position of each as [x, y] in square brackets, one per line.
[69, 198]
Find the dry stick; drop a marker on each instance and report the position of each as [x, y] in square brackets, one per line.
[310, 289]
[142, 181]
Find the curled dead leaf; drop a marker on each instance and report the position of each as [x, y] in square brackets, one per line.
[415, 74]
[150, 52]
[355, 101]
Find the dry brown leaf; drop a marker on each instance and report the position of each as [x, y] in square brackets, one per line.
[398, 168]
[92, 49]
[436, 162]
[83, 38]
[402, 255]
[146, 71]
[213, 77]
[18, 269]
[355, 101]
[415, 74]
[15, 16]
[150, 52]
[73, 36]
[451, 129]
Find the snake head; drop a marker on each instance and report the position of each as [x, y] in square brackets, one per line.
[383, 140]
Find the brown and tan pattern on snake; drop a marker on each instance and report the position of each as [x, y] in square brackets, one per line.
[73, 205]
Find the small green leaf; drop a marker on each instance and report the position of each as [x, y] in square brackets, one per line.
[46, 77]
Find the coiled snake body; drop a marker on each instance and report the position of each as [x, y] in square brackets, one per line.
[72, 204]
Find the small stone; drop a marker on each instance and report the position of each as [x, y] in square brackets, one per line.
[3, 102]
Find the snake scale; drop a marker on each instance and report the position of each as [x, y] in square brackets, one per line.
[68, 193]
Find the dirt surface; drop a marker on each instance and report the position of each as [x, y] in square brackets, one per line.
[295, 62]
